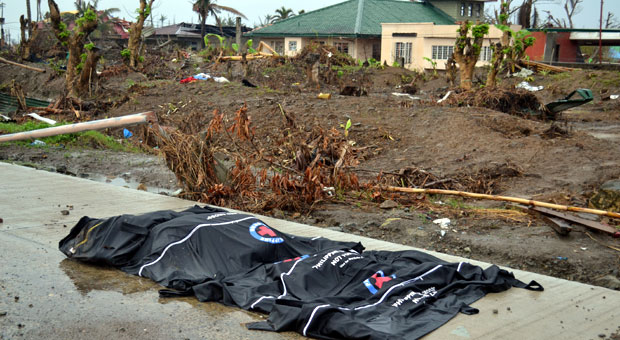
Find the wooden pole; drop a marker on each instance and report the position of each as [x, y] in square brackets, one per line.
[22, 65]
[135, 119]
[600, 37]
[504, 198]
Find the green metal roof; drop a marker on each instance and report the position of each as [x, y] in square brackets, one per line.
[354, 18]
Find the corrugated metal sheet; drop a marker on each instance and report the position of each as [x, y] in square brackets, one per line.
[8, 104]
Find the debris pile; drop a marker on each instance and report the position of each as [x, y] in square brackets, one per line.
[259, 180]
[516, 102]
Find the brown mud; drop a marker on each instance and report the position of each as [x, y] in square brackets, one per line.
[561, 161]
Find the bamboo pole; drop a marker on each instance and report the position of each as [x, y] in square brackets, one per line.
[22, 65]
[135, 119]
[504, 198]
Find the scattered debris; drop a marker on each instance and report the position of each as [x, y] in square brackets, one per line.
[247, 83]
[405, 95]
[524, 73]
[545, 67]
[64, 212]
[127, 134]
[43, 119]
[444, 97]
[324, 95]
[587, 223]
[525, 85]
[388, 204]
[221, 80]
[567, 103]
[37, 142]
[560, 226]
[443, 222]
[354, 91]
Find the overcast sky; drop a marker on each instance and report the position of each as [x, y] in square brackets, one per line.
[181, 10]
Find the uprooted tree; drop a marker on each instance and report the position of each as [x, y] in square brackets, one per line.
[133, 51]
[467, 50]
[81, 64]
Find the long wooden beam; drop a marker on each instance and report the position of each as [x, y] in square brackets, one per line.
[504, 198]
[135, 119]
[22, 65]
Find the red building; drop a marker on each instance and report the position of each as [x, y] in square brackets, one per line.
[563, 45]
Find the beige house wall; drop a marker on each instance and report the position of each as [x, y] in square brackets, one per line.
[422, 37]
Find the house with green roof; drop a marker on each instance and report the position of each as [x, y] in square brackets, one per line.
[354, 26]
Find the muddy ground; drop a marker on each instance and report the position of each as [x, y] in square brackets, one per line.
[519, 157]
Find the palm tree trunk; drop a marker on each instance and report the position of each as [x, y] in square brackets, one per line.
[203, 29]
[29, 17]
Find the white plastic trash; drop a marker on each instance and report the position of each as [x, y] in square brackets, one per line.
[527, 86]
[442, 222]
[221, 80]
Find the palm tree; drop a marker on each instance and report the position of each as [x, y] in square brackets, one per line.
[283, 13]
[162, 18]
[268, 20]
[103, 16]
[206, 7]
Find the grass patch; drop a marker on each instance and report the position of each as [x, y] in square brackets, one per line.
[90, 139]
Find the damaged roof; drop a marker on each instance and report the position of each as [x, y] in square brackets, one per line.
[354, 18]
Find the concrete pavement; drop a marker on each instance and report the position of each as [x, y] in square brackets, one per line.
[45, 295]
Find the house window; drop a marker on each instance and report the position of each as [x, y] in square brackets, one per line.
[278, 46]
[478, 10]
[470, 10]
[342, 47]
[292, 46]
[442, 52]
[403, 50]
[463, 9]
[486, 53]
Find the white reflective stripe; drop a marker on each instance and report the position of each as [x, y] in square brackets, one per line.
[385, 295]
[316, 238]
[312, 316]
[187, 237]
[261, 299]
[459, 268]
[287, 273]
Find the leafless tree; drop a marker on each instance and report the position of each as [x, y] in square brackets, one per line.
[571, 7]
[611, 21]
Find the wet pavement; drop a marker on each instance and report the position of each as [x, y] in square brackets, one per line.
[45, 295]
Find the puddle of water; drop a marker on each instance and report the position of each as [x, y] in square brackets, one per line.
[608, 132]
[606, 136]
[129, 183]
